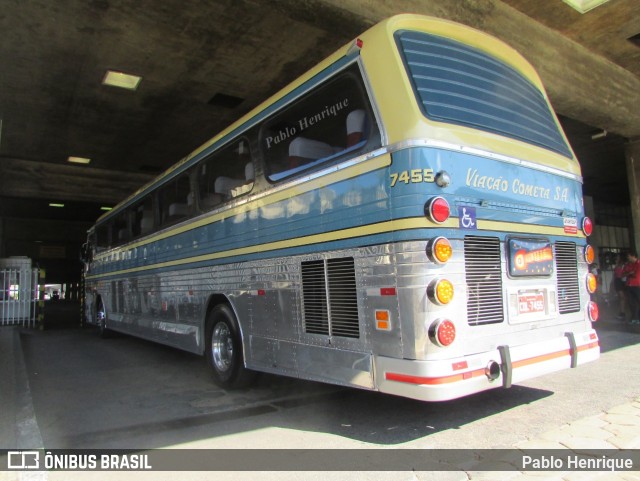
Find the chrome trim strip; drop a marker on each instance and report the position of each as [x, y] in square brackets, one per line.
[384, 139]
[404, 144]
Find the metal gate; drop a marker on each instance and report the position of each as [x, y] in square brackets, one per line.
[18, 296]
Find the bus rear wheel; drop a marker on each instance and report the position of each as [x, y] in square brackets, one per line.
[224, 349]
[101, 320]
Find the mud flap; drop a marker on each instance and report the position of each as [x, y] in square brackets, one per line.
[573, 348]
[506, 366]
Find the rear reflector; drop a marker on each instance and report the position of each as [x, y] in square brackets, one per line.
[383, 320]
[592, 283]
[439, 250]
[440, 291]
[589, 254]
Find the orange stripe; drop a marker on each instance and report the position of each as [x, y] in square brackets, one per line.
[542, 358]
[586, 347]
[394, 376]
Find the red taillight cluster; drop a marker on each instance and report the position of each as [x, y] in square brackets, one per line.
[437, 209]
[587, 226]
[442, 332]
[591, 280]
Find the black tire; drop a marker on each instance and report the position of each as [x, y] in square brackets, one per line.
[223, 347]
[101, 320]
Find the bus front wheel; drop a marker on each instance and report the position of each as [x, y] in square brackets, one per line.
[224, 349]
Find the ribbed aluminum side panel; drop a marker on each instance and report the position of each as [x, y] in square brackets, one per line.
[330, 297]
[567, 277]
[484, 280]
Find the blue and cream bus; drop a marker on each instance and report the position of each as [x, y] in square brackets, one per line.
[406, 217]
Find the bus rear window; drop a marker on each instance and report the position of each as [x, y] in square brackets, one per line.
[325, 125]
[462, 85]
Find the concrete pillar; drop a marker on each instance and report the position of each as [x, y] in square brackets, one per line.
[632, 154]
[2, 254]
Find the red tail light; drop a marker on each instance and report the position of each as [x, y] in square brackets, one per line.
[442, 332]
[437, 209]
[587, 226]
[593, 311]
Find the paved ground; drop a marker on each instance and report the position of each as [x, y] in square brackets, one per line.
[612, 427]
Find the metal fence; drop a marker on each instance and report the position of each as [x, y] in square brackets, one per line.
[19, 297]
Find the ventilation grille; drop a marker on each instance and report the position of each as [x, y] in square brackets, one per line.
[484, 280]
[567, 277]
[314, 292]
[330, 302]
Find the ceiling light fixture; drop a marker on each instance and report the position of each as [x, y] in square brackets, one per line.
[55, 204]
[105, 208]
[121, 80]
[583, 6]
[78, 160]
[599, 135]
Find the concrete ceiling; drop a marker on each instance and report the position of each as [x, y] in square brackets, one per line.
[204, 63]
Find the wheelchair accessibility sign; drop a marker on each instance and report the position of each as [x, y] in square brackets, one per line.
[467, 217]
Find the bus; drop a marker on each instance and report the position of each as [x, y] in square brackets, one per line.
[405, 217]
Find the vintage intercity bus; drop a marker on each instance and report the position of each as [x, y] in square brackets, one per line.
[406, 217]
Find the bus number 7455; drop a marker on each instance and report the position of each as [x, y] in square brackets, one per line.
[414, 176]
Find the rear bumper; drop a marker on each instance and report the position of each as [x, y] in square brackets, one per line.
[442, 380]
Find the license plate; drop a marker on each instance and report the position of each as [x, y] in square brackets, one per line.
[530, 302]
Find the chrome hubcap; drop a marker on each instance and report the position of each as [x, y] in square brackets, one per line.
[222, 347]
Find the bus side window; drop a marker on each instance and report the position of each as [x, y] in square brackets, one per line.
[176, 200]
[356, 127]
[208, 199]
[303, 150]
[103, 240]
[146, 222]
[226, 174]
[142, 222]
[121, 228]
[324, 125]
